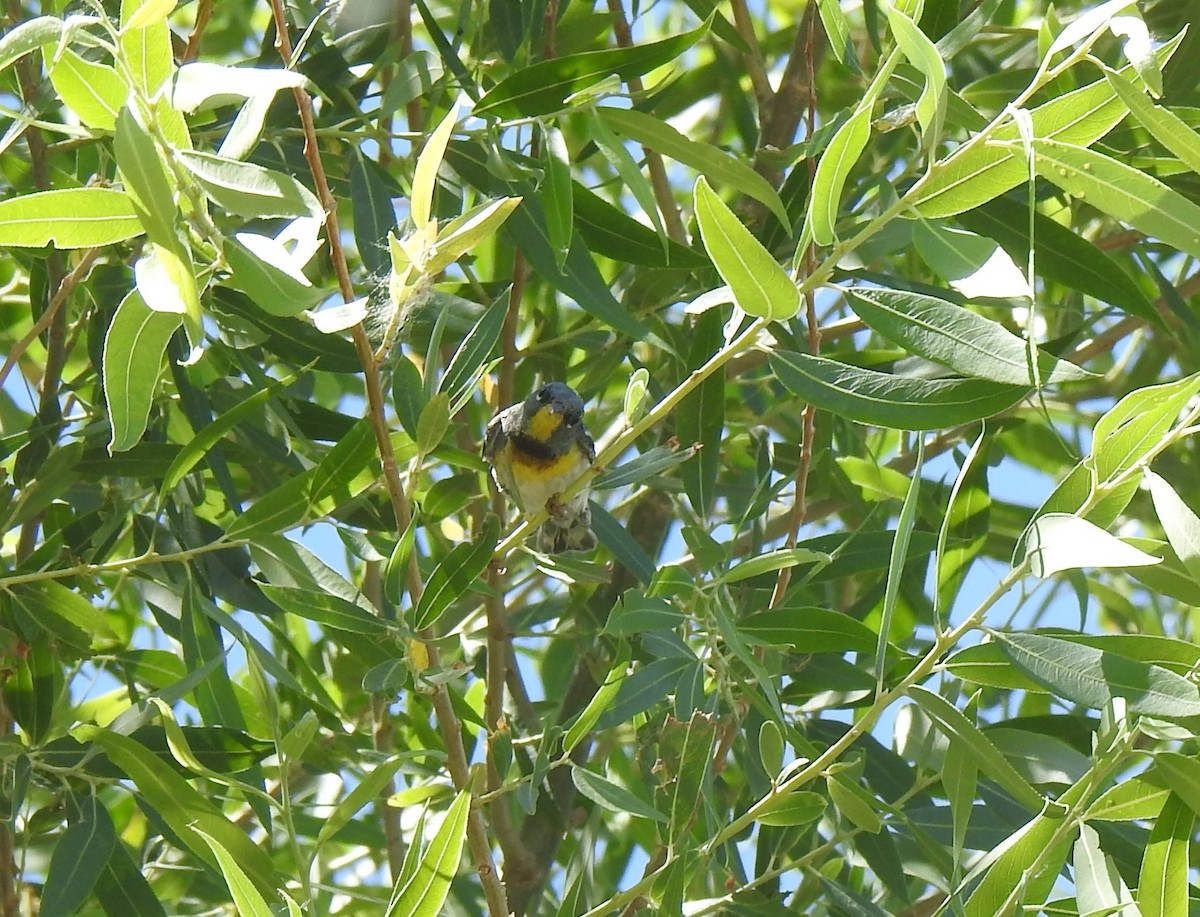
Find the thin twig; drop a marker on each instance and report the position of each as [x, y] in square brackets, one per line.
[204, 10]
[447, 719]
[755, 67]
[60, 296]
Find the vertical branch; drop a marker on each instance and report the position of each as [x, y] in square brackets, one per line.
[654, 163]
[809, 419]
[447, 719]
[754, 60]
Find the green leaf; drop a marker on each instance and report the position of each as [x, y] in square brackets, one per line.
[887, 400]
[1093, 677]
[977, 172]
[809, 630]
[467, 232]
[374, 214]
[1060, 254]
[973, 265]
[456, 573]
[426, 890]
[793, 809]
[557, 197]
[146, 179]
[611, 232]
[701, 416]
[832, 171]
[326, 609]
[976, 745]
[134, 354]
[957, 338]
[1010, 869]
[1180, 773]
[1061, 541]
[95, 92]
[608, 795]
[631, 176]
[275, 511]
[771, 561]
[1135, 426]
[760, 285]
[1098, 886]
[28, 36]
[122, 889]
[1163, 882]
[247, 899]
[183, 808]
[141, 14]
[1133, 799]
[600, 701]
[146, 44]
[544, 87]
[922, 54]
[249, 190]
[64, 613]
[712, 162]
[424, 181]
[1122, 192]
[274, 291]
[69, 218]
[365, 792]
[1178, 521]
[80, 857]
[1163, 124]
[579, 277]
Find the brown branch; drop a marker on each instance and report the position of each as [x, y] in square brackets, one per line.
[654, 163]
[447, 720]
[755, 67]
[204, 10]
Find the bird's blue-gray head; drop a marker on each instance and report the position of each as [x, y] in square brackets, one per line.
[554, 408]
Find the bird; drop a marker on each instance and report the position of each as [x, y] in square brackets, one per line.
[537, 448]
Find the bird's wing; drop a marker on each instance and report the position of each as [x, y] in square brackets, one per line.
[587, 446]
[495, 437]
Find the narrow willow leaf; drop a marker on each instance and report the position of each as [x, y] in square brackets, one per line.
[770, 562]
[1163, 124]
[426, 890]
[468, 231]
[760, 285]
[247, 898]
[1181, 774]
[1060, 254]
[1135, 426]
[1009, 870]
[972, 742]
[1179, 522]
[424, 180]
[832, 171]
[80, 856]
[886, 400]
[1163, 881]
[93, 91]
[809, 630]
[326, 609]
[200, 85]
[1122, 192]
[146, 44]
[557, 197]
[1086, 25]
[630, 174]
[70, 218]
[792, 809]
[274, 291]
[712, 162]
[837, 30]
[1061, 541]
[146, 179]
[922, 54]
[28, 36]
[1098, 886]
[1133, 799]
[456, 573]
[134, 353]
[600, 701]
[182, 807]
[685, 749]
[956, 337]
[977, 172]
[608, 795]
[166, 282]
[657, 461]
[701, 416]
[544, 87]
[46, 600]
[1093, 677]
[249, 190]
[365, 792]
[973, 265]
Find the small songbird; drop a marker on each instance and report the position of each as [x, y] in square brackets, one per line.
[537, 449]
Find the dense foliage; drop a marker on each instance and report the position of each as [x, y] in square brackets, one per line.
[884, 315]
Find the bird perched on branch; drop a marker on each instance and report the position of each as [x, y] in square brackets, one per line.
[537, 449]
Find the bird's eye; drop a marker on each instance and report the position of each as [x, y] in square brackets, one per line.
[544, 396]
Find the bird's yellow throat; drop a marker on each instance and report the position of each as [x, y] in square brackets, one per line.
[544, 424]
